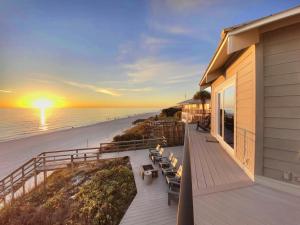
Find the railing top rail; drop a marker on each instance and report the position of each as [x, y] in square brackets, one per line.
[133, 141]
[69, 150]
[61, 155]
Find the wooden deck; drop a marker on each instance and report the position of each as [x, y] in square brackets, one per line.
[150, 205]
[224, 195]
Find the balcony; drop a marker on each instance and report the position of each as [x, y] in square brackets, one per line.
[222, 194]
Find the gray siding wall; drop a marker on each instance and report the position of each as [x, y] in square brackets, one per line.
[281, 52]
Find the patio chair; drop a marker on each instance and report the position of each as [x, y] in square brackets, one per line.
[160, 158]
[172, 167]
[155, 152]
[173, 194]
[156, 157]
[173, 179]
[204, 125]
[156, 149]
[166, 162]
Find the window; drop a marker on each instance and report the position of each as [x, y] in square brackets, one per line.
[226, 114]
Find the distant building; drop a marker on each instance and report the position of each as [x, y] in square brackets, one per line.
[192, 110]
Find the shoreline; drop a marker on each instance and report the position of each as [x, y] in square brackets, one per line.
[14, 153]
[73, 127]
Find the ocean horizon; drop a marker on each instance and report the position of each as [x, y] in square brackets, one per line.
[20, 123]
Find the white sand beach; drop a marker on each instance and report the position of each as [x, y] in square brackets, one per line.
[16, 152]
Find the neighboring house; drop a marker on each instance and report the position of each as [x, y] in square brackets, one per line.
[192, 110]
[252, 175]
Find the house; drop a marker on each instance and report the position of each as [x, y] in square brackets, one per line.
[247, 170]
[192, 110]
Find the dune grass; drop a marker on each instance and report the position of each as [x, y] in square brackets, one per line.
[96, 193]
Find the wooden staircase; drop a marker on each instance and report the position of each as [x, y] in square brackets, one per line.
[16, 181]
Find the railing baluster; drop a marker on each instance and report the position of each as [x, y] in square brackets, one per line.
[23, 180]
[35, 173]
[3, 195]
[72, 165]
[12, 187]
[44, 170]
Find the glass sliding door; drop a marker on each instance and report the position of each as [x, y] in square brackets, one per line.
[220, 114]
[229, 105]
[226, 114]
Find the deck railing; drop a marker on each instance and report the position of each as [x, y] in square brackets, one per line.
[54, 160]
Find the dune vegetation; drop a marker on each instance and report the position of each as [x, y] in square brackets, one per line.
[95, 193]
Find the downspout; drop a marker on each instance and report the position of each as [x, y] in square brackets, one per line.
[185, 214]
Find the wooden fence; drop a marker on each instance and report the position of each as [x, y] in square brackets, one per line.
[54, 160]
[173, 131]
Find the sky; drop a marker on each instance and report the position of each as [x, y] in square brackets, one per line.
[125, 53]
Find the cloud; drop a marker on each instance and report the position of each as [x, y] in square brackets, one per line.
[178, 30]
[6, 91]
[182, 6]
[149, 40]
[135, 89]
[172, 29]
[92, 88]
[163, 71]
[107, 91]
[153, 44]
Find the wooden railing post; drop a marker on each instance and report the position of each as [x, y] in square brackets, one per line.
[35, 174]
[76, 153]
[23, 180]
[44, 170]
[72, 165]
[98, 154]
[3, 196]
[12, 187]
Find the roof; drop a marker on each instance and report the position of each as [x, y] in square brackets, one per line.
[226, 45]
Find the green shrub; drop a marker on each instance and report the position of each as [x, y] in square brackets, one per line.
[169, 112]
[128, 137]
[104, 199]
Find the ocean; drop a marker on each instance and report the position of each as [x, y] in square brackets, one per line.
[20, 123]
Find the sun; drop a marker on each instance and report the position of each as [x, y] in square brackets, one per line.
[42, 103]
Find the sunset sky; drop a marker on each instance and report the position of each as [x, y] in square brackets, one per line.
[121, 53]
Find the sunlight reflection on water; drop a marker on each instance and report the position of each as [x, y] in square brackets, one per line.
[43, 124]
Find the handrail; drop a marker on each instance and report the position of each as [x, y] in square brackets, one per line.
[45, 161]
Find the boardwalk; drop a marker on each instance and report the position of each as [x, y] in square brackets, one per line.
[224, 195]
[150, 205]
